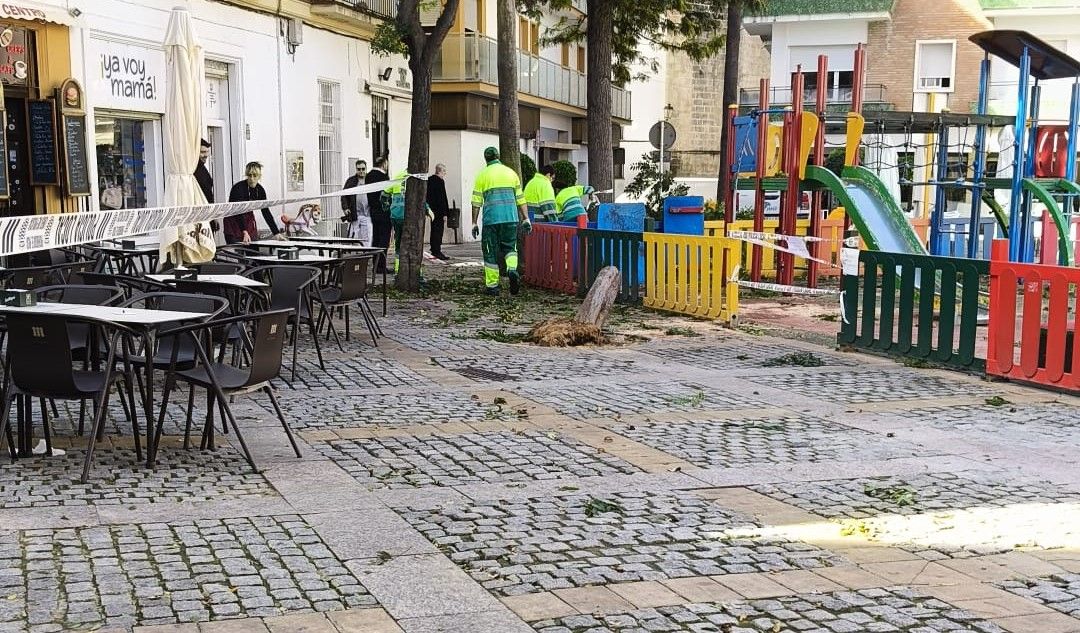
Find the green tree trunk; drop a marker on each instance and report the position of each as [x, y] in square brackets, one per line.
[509, 122]
[600, 33]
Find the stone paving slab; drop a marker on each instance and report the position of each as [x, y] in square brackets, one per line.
[539, 544]
[769, 440]
[582, 401]
[865, 611]
[157, 573]
[452, 460]
[117, 478]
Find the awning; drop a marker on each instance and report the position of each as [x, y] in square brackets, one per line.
[25, 10]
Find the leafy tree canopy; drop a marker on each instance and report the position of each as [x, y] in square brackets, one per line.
[695, 27]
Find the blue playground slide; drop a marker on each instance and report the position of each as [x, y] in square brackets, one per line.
[872, 210]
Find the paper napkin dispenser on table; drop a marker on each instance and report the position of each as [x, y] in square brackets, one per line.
[18, 298]
[181, 272]
[288, 253]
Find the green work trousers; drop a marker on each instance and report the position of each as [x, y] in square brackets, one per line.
[496, 239]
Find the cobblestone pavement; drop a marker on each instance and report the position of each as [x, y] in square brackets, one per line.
[388, 410]
[884, 609]
[762, 441]
[153, 573]
[717, 482]
[397, 462]
[535, 366]
[1060, 592]
[860, 386]
[583, 401]
[579, 540]
[191, 476]
[741, 353]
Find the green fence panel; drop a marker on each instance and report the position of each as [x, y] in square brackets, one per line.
[918, 306]
[621, 249]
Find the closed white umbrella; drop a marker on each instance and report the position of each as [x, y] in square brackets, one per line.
[183, 127]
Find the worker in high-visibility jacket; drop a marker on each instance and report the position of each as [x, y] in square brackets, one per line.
[568, 202]
[540, 195]
[393, 198]
[497, 193]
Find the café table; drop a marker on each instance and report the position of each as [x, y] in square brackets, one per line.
[339, 245]
[146, 322]
[125, 259]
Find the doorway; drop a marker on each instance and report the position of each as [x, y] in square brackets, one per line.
[21, 194]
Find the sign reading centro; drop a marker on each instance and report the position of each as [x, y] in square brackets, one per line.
[20, 12]
[127, 77]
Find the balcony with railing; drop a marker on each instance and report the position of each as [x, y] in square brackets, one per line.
[382, 9]
[472, 57]
[873, 96]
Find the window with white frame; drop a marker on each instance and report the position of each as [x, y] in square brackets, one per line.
[329, 136]
[935, 65]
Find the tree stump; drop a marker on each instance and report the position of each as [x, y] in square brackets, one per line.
[597, 305]
[583, 329]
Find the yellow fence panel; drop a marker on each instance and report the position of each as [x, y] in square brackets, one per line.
[690, 274]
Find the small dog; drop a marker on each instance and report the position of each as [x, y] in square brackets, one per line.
[305, 220]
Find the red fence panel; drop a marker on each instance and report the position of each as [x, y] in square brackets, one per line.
[1033, 315]
[551, 257]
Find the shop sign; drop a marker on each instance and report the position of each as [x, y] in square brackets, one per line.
[127, 76]
[14, 56]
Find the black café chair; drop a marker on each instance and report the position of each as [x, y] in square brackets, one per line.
[223, 381]
[293, 288]
[31, 277]
[132, 286]
[174, 351]
[348, 285]
[40, 365]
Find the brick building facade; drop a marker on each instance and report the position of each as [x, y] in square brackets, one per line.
[891, 50]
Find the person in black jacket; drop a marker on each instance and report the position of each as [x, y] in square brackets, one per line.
[205, 180]
[440, 207]
[380, 217]
[241, 228]
[355, 208]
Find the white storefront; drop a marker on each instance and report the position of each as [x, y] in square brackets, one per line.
[298, 100]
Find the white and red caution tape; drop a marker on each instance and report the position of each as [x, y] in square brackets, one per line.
[26, 233]
[793, 244]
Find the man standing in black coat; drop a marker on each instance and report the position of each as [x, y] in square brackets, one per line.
[205, 180]
[440, 207]
[380, 217]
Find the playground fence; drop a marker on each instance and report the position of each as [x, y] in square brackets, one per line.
[691, 274]
[1024, 344]
[1048, 241]
[928, 307]
[621, 249]
[550, 257]
[746, 250]
[954, 233]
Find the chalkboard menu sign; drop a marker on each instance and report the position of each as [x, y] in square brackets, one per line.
[76, 168]
[41, 129]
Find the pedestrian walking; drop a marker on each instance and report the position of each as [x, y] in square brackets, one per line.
[380, 217]
[497, 194]
[355, 207]
[440, 208]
